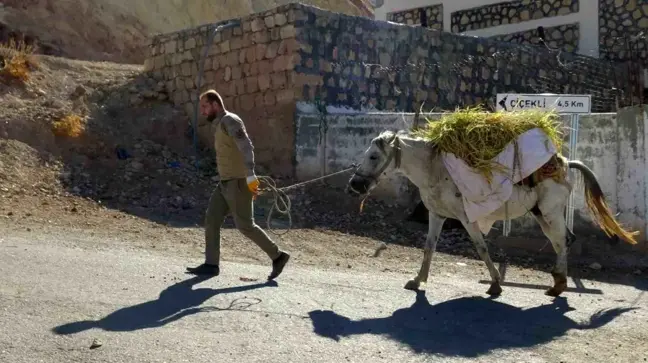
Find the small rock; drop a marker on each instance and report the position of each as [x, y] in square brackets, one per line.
[136, 100]
[136, 165]
[96, 344]
[149, 94]
[595, 266]
[637, 272]
[381, 247]
[78, 92]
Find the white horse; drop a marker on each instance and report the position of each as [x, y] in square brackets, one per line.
[422, 164]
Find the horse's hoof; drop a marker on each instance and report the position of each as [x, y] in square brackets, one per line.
[412, 285]
[553, 292]
[556, 290]
[560, 285]
[494, 290]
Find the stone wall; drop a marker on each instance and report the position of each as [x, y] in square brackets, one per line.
[250, 66]
[563, 37]
[619, 19]
[434, 14]
[510, 12]
[369, 64]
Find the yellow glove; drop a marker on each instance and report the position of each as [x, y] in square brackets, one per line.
[253, 184]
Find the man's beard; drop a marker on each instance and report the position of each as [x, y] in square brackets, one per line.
[211, 117]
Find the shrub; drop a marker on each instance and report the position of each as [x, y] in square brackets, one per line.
[17, 60]
[69, 126]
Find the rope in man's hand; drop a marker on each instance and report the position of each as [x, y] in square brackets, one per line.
[281, 201]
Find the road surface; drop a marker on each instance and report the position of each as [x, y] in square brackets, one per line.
[58, 297]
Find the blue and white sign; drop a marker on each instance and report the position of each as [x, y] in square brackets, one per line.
[573, 104]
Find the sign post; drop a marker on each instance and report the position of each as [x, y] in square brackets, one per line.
[567, 104]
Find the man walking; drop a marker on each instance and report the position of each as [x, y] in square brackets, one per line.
[238, 184]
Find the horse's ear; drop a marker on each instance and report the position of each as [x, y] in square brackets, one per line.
[380, 143]
[392, 141]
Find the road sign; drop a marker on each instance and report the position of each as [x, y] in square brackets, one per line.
[574, 104]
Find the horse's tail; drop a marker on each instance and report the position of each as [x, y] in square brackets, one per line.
[595, 200]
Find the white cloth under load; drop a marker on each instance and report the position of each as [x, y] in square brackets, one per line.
[480, 197]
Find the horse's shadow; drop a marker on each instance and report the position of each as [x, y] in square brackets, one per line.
[467, 327]
[174, 303]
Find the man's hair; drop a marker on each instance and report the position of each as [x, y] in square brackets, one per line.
[212, 96]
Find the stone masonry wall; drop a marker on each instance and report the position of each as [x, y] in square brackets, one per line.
[564, 37]
[393, 67]
[510, 12]
[618, 19]
[250, 66]
[434, 15]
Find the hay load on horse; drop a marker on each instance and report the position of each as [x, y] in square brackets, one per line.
[480, 167]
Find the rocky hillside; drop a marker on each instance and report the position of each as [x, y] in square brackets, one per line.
[116, 30]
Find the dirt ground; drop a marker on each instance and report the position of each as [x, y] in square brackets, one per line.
[133, 176]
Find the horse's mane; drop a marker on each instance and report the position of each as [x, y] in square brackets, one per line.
[389, 134]
[403, 134]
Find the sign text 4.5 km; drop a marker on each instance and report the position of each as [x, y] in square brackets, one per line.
[580, 104]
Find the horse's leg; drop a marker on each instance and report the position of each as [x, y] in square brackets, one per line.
[478, 240]
[554, 227]
[550, 215]
[434, 230]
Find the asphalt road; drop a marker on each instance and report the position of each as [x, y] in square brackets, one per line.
[57, 298]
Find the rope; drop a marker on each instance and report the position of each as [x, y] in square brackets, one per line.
[281, 201]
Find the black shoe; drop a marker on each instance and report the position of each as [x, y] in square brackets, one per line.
[278, 265]
[204, 269]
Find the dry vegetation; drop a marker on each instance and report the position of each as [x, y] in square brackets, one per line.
[17, 60]
[71, 125]
[477, 136]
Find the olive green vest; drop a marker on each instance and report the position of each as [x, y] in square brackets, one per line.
[229, 158]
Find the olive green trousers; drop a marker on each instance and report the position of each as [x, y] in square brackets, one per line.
[233, 196]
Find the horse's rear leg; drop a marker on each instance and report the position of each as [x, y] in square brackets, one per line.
[554, 227]
[434, 230]
[478, 240]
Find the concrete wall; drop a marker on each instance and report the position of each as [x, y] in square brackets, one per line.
[613, 145]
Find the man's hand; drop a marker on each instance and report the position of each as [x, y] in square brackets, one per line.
[253, 184]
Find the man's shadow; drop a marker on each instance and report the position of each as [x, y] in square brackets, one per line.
[466, 327]
[175, 302]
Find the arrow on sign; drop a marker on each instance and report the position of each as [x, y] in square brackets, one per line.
[503, 103]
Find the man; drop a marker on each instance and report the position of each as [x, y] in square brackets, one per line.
[238, 184]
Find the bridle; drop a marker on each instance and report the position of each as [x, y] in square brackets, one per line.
[395, 155]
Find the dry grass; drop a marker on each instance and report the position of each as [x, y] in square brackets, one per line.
[17, 60]
[71, 125]
[477, 136]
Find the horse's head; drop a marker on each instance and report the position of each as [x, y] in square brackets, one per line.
[384, 149]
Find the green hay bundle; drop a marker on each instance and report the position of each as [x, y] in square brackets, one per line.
[477, 136]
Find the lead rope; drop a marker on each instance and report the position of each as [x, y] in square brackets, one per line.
[281, 201]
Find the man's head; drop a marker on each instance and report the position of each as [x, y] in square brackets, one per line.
[211, 104]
